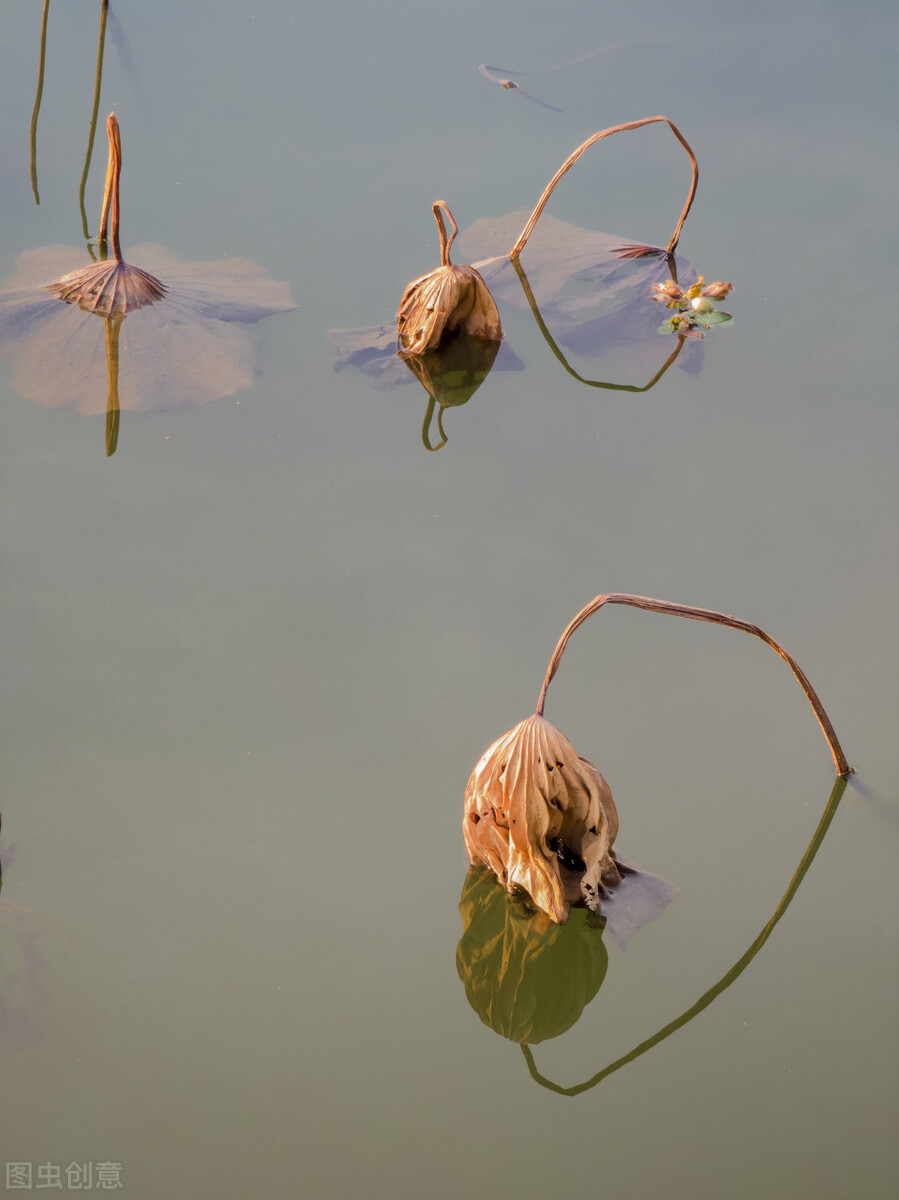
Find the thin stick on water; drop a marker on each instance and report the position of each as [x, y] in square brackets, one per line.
[715, 618]
[572, 159]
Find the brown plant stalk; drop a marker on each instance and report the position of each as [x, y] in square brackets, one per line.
[715, 618]
[572, 159]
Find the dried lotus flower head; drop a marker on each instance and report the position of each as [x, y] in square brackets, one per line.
[444, 301]
[111, 286]
[542, 818]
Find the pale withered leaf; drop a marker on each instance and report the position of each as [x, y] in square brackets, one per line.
[537, 814]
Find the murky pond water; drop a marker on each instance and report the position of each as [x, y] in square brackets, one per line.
[252, 656]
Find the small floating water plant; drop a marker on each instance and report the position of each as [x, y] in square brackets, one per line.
[542, 818]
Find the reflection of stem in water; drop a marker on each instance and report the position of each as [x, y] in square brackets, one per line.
[104, 8]
[726, 980]
[425, 429]
[37, 100]
[113, 325]
[618, 387]
[572, 159]
[714, 618]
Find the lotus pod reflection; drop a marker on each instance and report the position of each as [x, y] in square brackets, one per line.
[525, 977]
[451, 373]
[447, 299]
[542, 819]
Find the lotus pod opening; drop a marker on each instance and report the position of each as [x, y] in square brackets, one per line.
[445, 300]
[542, 819]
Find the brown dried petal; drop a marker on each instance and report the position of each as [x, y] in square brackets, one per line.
[447, 299]
[717, 290]
[531, 797]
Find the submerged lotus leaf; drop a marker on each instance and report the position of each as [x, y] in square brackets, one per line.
[188, 348]
[592, 297]
[538, 815]
[526, 977]
[445, 300]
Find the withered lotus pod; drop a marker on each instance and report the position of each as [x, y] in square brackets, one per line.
[111, 286]
[538, 815]
[448, 299]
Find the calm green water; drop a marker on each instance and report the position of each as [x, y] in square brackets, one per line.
[252, 657]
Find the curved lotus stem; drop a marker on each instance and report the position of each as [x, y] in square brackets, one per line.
[715, 618]
[426, 427]
[724, 982]
[572, 159]
[445, 244]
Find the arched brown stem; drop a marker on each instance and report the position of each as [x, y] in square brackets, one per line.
[445, 245]
[715, 618]
[110, 211]
[572, 159]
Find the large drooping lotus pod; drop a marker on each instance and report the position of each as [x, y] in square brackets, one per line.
[542, 818]
[111, 286]
[445, 300]
[537, 814]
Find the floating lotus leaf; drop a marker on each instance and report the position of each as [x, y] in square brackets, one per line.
[539, 816]
[166, 341]
[188, 348]
[447, 299]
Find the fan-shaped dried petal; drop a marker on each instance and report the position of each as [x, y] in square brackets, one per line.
[108, 287]
[446, 299]
[536, 811]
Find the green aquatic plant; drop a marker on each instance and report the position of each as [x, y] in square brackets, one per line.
[694, 306]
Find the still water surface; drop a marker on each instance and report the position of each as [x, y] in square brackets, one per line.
[252, 657]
